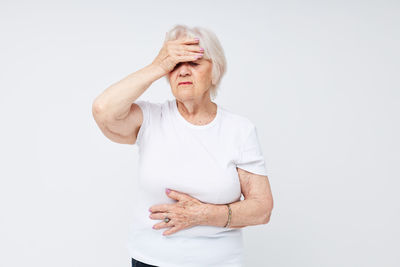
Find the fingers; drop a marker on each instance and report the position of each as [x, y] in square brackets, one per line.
[194, 48]
[181, 55]
[159, 215]
[184, 50]
[194, 53]
[189, 44]
[161, 225]
[187, 58]
[172, 193]
[187, 40]
[171, 230]
[161, 207]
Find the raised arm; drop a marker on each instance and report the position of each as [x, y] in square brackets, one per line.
[114, 111]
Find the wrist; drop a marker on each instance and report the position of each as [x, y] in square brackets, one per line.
[228, 223]
[157, 70]
[216, 215]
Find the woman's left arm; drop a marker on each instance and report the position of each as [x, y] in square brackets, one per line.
[255, 209]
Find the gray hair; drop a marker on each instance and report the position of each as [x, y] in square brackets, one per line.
[212, 50]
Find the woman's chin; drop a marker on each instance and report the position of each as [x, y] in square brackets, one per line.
[186, 93]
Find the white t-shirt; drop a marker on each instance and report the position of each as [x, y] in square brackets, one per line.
[201, 161]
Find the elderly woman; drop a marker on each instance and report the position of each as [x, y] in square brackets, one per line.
[196, 158]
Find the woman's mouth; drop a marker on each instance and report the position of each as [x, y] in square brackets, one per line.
[181, 83]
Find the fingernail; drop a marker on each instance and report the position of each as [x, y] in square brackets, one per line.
[201, 49]
[196, 38]
[150, 210]
[167, 190]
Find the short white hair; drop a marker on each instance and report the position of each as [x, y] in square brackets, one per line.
[212, 50]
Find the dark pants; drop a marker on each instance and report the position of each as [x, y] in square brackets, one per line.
[136, 263]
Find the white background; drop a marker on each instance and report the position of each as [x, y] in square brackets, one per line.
[320, 79]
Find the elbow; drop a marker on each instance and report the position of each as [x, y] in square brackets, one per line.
[97, 107]
[266, 218]
[99, 111]
[267, 211]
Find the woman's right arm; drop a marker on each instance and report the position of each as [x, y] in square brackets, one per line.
[114, 111]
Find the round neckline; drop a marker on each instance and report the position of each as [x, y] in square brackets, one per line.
[191, 125]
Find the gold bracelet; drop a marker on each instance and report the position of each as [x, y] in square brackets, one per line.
[229, 216]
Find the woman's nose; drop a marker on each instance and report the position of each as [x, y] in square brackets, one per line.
[184, 69]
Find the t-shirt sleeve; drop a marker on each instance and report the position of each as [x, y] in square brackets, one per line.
[251, 156]
[145, 106]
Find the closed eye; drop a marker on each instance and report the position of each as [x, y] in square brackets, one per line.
[190, 62]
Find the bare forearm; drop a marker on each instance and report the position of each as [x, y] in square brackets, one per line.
[115, 102]
[244, 213]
